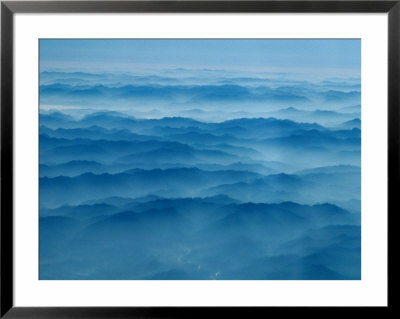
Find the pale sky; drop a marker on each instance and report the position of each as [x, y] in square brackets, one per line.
[333, 57]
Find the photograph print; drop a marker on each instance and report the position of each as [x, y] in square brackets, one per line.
[199, 159]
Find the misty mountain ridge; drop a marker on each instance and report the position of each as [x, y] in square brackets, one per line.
[235, 177]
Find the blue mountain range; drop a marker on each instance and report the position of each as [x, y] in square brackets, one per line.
[167, 177]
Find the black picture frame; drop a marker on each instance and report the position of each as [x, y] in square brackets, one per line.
[9, 8]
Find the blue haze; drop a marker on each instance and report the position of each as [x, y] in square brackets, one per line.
[200, 159]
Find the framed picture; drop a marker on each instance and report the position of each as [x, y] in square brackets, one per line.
[188, 158]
